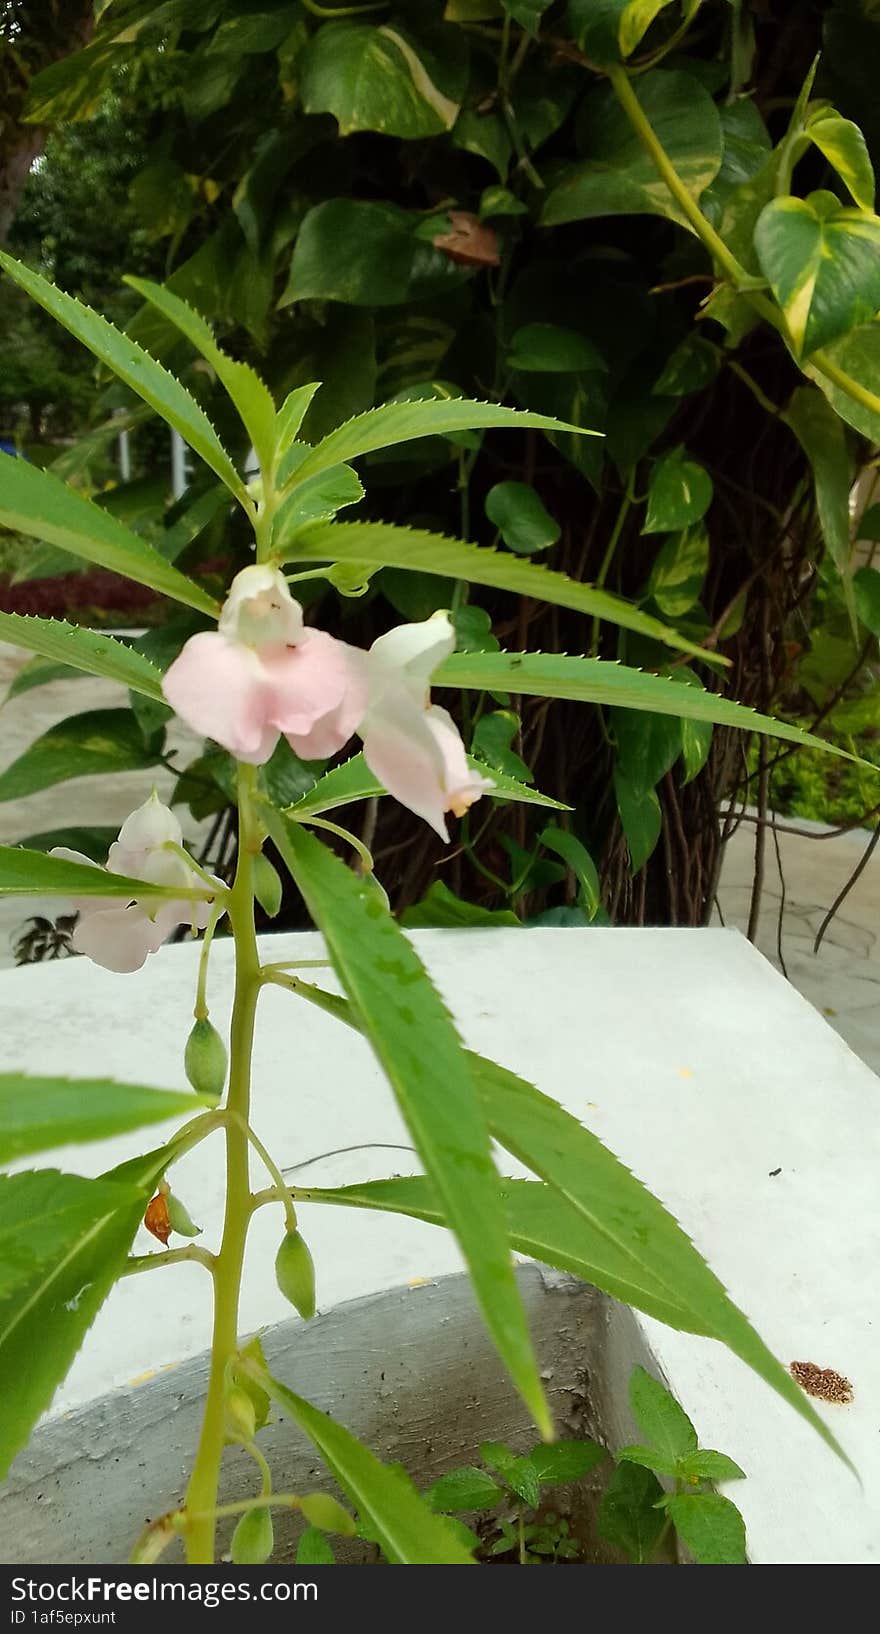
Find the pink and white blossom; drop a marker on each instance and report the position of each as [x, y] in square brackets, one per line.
[262, 673]
[413, 746]
[120, 934]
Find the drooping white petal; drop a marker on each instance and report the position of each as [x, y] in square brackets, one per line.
[260, 610]
[405, 659]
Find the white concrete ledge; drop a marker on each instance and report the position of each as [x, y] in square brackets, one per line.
[683, 1050]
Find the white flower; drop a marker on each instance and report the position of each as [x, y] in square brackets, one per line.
[413, 746]
[121, 934]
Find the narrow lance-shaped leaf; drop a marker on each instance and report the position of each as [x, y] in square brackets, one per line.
[643, 1240]
[37, 503]
[63, 1243]
[596, 680]
[395, 423]
[354, 781]
[38, 1114]
[84, 649]
[32, 873]
[251, 397]
[417, 1045]
[410, 1535]
[542, 1224]
[379, 544]
[141, 372]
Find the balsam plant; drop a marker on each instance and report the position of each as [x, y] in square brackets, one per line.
[259, 672]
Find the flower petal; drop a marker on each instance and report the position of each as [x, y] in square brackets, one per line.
[406, 658]
[260, 610]
[219, 687]
[319, 693]
[403, 752]
[461, 785]
[120, 938]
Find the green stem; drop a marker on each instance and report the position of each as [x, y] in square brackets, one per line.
[201, 1498]
[357, 845]
[742, 280]
[275, 1172]
[171, 1256]
[608, 558]
[200, 1008]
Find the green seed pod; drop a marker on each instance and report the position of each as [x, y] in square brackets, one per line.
[295, 1274]
[241, 1419]
[253, 1539]
[205, 1060]
[267, 885]
[179, 1217]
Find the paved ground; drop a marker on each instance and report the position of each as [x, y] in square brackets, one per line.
[842, 981]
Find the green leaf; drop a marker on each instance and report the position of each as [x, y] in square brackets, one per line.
[648, 1458]
[866, 590]
[563, 1461]
[679, 493]
[135, 367]
[100, 740]
[463, 1490]
[395, 423]
[85, 650]
[822, 261]
[547, 348]
[419, 1049]
[846, 150]
[410, 1535]
[662, 1422]
[28, 873]
[628, 1514]
[521, 517]
[619, 178]
[353, 251]
[441, 908]
[38, 672]
[63, 1243]
[386, 79]
[92, 842]
[313, 1549]
[541, 1224]
[292, 412]
[499, 201]
[858, 356]
[706, 1465]
[595, 680]
[35, 502]
[640, 818]
[679, 571]
[353, 781]
[379, 544]
[609, 30]
[647, 746]
[821, 436]
[493, 738]
[692, 366]
[251, 397]
[519, 1473]
[316, 500]
[710, 1526]
[37, 1114]
[569, 848]
[542, 1135]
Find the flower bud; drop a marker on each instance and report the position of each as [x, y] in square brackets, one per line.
[205, 1060]
[179, 1218]
[241, 1418]
[295, 1274]
[267, 885]
[253, 1539]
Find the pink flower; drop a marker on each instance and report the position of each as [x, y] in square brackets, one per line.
[262, 673]
[413, 746]
[117, 934]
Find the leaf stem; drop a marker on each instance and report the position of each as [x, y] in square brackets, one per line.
[273, 1169]
[172, 1256]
